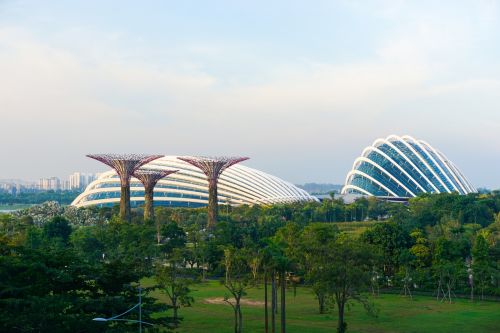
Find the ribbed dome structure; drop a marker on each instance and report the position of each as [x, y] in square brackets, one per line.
[188, 187]
[403, 167]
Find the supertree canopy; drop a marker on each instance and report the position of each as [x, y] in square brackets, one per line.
[212, 167]
[124, 165]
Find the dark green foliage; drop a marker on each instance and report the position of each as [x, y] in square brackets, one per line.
[57, 275]
[483, 266]
[52, 289]
[172, 237]
[392, 239]
[472, 208]
[237, 280]
[57, 228]
[56, 280]
[174, 280]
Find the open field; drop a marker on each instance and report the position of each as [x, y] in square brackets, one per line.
[356, 228]
[8, 208]
[396, 314]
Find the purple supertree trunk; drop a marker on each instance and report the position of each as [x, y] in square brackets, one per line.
[149, 178]
[124, 165]
[212, 167]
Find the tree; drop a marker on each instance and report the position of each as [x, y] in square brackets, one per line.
[283, 265]
[58, 228]
[448, 266]
[238, 279]
[345, 272]
[286, 248]
[405, 272]
[53, 289]
[481, 266]
[267, 268]
[173, 281]
[314, 255]
[172, 237]
[392, 239]
[421, 257]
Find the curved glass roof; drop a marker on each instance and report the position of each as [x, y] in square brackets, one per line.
[403, 167]
[188, 187]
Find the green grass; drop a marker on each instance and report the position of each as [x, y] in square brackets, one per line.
[355, 228]
[14, 207]
[396, 314]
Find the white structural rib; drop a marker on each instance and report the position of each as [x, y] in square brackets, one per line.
[426, 152]
[450, 171]
[463, 181]
[381, 141]
[462, 178]
[357, 188]
[238, 185]
[430, 160]
[373, 180]
[367, 160]
[421, 160]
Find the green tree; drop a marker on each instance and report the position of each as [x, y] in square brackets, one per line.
[238, 279]
[392, 239]
[448, 266]
[344, 271]
[58, 228]
[172, 279]
[481, 265]
[172, 237]
[314, 255]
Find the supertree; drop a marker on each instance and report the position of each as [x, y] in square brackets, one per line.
[212, 167]
[124, 165]
[149, 178]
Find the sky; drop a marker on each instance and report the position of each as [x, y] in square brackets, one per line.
[301, 87]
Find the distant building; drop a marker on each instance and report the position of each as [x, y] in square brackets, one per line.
[65, 185]
[52, 183]
[75, 180]
[78, 180]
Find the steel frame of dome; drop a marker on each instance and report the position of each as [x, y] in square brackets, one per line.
[403, 167]
[188, 187]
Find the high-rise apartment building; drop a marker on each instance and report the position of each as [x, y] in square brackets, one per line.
[80, 180]
[52, 183]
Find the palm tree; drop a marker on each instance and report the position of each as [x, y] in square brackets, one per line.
[283, 265]
[267, 268]
[279, 264]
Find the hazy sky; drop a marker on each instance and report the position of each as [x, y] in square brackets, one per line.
[299, 86]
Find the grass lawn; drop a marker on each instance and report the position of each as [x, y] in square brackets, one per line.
[356, 228]
[8, 208]
[396, 314]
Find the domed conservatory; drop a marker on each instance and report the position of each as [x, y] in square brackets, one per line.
[403, 167]
[188, 187]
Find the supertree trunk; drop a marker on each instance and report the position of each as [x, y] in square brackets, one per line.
[149, 178]
[124, 165]
[125, 203]
[213, 205]
[212, 167]
[149, 213]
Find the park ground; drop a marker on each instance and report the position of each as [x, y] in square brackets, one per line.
[395, 313]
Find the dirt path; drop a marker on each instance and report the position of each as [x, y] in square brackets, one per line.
[220, 300]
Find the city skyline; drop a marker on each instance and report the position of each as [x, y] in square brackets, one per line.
[301, 88]
[75, 181]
